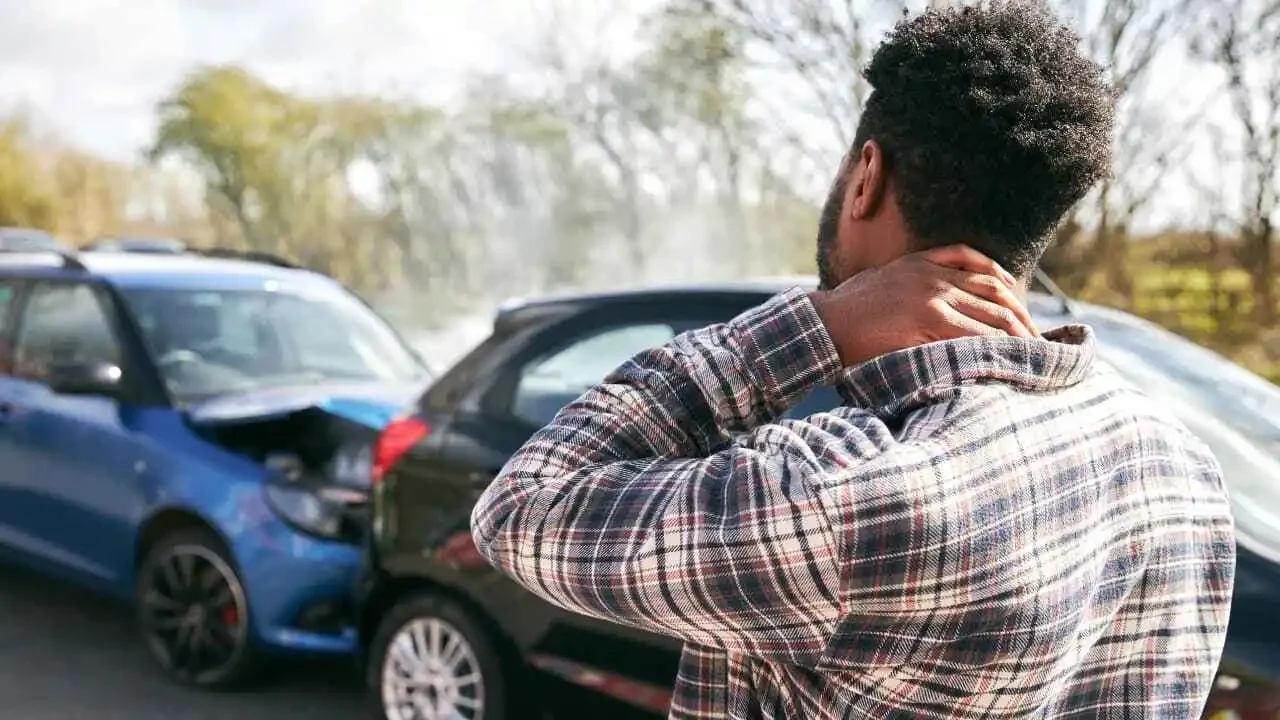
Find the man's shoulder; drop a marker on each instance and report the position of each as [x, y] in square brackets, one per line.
[1159, 420]
[1102, 409]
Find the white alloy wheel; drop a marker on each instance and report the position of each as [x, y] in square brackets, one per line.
[431, 672]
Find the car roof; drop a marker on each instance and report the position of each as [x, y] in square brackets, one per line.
[518, 311]
[134, 243]
[129, 269]
[15, 231]
[34, 239]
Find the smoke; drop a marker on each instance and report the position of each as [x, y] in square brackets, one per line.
[689, 243]
[444, 347]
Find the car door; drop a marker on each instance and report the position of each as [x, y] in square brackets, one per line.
[536, 381]
[10, 540]
[435, 487]
[73, 463]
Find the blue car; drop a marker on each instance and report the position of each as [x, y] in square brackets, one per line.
[137, 245]
[192, 434]
[20, 239]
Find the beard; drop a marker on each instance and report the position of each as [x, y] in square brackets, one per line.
[828, 229]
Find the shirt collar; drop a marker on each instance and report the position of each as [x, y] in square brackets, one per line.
[899, 382]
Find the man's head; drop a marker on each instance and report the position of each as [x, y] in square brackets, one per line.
[984, 126]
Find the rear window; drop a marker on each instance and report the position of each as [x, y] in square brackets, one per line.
[551, 382]
[448, 390]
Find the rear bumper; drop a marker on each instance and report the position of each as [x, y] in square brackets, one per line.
[299, 590]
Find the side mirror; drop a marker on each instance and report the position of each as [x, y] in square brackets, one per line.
[85, 378]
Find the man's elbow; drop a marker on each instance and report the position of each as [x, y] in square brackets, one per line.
[488, 520]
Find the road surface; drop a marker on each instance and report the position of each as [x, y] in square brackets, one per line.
[65, 655]
[68, 655]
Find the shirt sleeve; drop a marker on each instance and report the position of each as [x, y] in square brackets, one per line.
[667, 497]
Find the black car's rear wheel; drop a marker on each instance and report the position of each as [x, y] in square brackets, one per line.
[431, 659]
[193, 613]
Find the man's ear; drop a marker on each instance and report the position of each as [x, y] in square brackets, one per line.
[867, 182]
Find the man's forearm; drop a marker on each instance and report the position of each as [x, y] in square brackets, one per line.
[692, 395]
[604, 510]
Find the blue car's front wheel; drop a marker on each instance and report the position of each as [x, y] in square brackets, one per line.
[193, 613]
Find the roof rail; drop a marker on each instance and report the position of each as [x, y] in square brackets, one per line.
[68, 257]
[247, 255]
[136, 244]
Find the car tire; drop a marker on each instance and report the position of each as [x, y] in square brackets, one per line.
[193, 614]
[405, 638]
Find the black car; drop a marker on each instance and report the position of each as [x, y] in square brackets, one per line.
[439, 625]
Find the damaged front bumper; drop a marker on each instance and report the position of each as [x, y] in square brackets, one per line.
[301, 553]
[314, 442]
[299, 588]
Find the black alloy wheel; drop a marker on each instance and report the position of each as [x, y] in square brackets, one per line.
[192, 612]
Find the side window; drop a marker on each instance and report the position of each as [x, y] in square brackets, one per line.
[62, 323]
[550, 383]
[8, 291]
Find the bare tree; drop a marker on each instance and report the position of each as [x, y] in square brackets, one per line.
[588, 92]
[806, 58]
[1242, 37]
[1217, 231]
[1127, 37]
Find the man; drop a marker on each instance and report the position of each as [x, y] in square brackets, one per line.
[995, 526]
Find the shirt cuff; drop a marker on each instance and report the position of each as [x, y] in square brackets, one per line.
[785, 344]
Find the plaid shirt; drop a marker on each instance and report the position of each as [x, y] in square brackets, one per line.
[991, 528]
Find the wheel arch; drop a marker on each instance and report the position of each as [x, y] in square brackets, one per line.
[165, 521]
[240, 667]
[392, 590]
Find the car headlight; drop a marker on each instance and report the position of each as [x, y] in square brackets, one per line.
[352, 465]
[316, 508]
[305, 508]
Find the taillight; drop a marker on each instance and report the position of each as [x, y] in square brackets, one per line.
[397, 438]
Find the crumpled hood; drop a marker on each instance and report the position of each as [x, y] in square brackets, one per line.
[369, 404]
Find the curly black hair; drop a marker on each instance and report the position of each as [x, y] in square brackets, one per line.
[993, 123]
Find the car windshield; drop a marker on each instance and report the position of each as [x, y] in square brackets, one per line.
[213, 342]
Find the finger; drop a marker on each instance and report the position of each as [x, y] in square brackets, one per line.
[991, 314]
[991, 289]
[963, 257]
[956, 325]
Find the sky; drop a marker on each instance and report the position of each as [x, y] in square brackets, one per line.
[93, 70]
